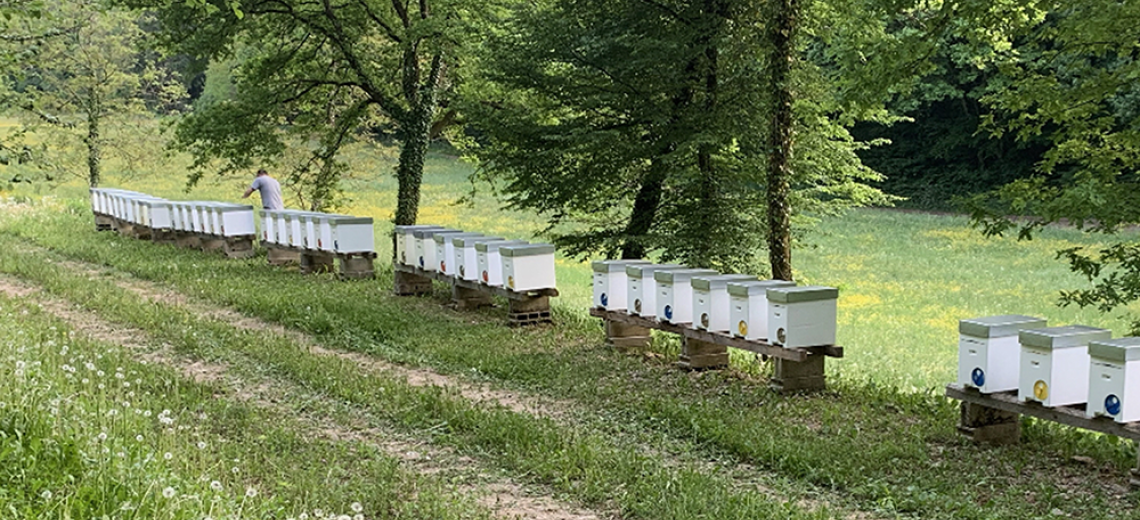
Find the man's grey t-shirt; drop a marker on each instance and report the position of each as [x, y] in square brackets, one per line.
[270, 192]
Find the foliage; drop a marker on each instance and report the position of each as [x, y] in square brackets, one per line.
[78, 81]
[639, 128]
[1074, 82]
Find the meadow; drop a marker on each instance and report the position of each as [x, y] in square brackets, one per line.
[621, 436]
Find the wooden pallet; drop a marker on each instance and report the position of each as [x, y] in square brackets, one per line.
[525, 307]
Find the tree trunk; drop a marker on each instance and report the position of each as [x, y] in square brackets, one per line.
[410, 170]
[94, 149]
[644, 212]
[781, 136]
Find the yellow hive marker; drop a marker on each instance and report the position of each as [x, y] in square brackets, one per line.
[1041, 390]
[742, 327]
[511, 282]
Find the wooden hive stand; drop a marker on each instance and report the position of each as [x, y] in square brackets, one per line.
[357, 266]
[796, 369]
[524, 308]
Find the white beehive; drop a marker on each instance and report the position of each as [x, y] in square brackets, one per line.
[324, 231]
[641, 288]
[748, 307]
[1114, 379]
[268, 235]
[711, 308]
[353, 235]
[1055, 364]
[296, 229]
[466, 258]
[802, 316]
[281, 227]
[422, 238]
[675, 294]
[435, 249]
[310, 230]
[489, 262]
[406, 244]
[198, 216]
[94, 200]
[528, 267]
[157, 214]
[235, 220]
[610, 289]
[989, 355]
[445, 251]
[176, 216]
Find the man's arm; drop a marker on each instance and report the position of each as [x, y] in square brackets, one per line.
[247, 193]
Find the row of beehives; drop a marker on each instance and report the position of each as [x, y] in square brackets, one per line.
[309, 230]
[195, 216]
[1054, 366]
[775, 311]
[493, 261]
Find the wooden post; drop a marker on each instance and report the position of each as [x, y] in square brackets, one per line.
[529, 310]
[358, 267]
[989, 425]
[125, 228]
[410, 284]
[466, 298]
[626, 337]
[239, 247]
[313, 262]
[697, 354]
[210, 243]
[799, 376]
[162, 236]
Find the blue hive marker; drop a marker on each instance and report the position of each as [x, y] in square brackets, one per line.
[979, 377]
[421, 262]
[1112, 404]
[668, 312]
[605, 300]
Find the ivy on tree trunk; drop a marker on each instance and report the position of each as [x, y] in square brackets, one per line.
[781, 136]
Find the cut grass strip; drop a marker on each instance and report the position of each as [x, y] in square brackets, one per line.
[889, 450]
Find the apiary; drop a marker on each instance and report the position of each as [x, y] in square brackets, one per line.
[641, 288]
[675, 293]
[989, 354]
[268, 235]
[748, 307]
[157, 214]
[610, 288]
[711, 305]
[352, 235]
[406, 243]
[465, 257]
[528, 267]
[1055, 364]
[235, 220]
[802, 316]
[489, 262]
[1114, 379]
[425, 240]
[445, 251]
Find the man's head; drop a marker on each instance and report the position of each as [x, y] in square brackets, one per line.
[262, 172]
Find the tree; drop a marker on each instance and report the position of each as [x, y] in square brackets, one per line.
[321, 69]
[1075, 81]
[91, 72]
[641, 127]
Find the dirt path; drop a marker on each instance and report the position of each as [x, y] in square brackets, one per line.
[504, 498]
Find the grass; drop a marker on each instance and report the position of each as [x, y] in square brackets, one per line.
[884, 448]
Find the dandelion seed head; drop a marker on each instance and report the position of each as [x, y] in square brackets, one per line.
[46, 495]
[215, 485]
[250, 492]
[168, 455]
[168, 492]
[357, 507]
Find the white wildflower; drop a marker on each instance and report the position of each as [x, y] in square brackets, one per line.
[168, 492]
[46, 495]
[216, 486]
[356, 507]
[250, 492]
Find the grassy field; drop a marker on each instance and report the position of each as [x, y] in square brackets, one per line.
[622, 437]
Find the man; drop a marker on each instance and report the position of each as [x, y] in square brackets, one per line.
[269, 188]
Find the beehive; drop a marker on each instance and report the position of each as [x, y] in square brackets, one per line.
[611, 291]
[489, 261]
[528, 267]
[711, 309]
[1114, 379]
[641, 288]
[1055, 364]
[310, 224]
[296, 228]
[235, 220]
[445, 252]
[465, 257]
[989, 355]
[157, 214]
[198, 215]
[748, 307]
[177, 216]
[425, 240]
[268, 235]
[324, 231]
[435, 249]
[802, 316]
[352, 235]
[406, 243]
[281, 226]
[675, 293]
